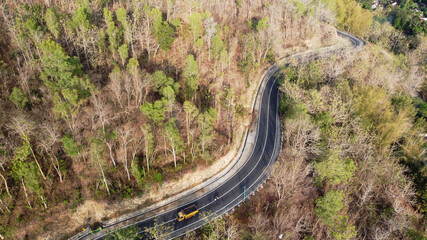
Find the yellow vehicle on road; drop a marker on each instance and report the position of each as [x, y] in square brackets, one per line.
[187, 213]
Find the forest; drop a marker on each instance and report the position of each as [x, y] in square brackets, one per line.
[353, 163]
[108, 106]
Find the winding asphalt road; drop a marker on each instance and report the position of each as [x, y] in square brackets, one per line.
[244, 182]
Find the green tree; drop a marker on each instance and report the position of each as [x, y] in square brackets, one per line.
[27, 172]
[191, 76]
[351, 17]
[196, 27]
[132, 67]
[196, 24]
[82, 26]
[217, 46]
[112, 31]
[136, 172]
[163, 33]
[388, 120]
[31, 179]
[58, 66]
[123, 53]
[206, 124]
[262, 24]
[63, 77]
[97, 150]
[70, 146]
[81, 19]
[169, 97]
[336, 170]
[52, 22]
[174, 138]
[191, 112]
[329, 206]
[342, 230]
[127, 29]
[100, 41]
[154, 112]
[18, 98]
[161, 81]
[148, 143]
[33, 31]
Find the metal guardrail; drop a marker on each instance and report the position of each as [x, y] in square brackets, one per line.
[81, 234]
[357, 44]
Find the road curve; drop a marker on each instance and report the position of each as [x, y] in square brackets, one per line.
[243, 182]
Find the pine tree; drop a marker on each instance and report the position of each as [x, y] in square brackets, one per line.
[52, 22]
[70, 146]
[217, 46]
[112, 31]
[196, 24]
[163, 33]
[161, 81]
[127, 29]
[154, 112]
[191, 112]
[206, 123]
[191, 76]
[123, 53]
[136, 172]
[63, 77]
[174, 138]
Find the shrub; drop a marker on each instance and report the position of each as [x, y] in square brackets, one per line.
[18, 98]
[158, 177]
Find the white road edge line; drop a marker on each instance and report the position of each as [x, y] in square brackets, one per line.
[262, 174]
[265, 143]
[252, 152]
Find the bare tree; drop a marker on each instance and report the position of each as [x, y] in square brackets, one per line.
[124, 139]
[116, 85]
[210, 29]
[288, 174]
[302, 134]
[47, 140]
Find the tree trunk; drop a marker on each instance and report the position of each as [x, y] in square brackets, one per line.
[110, 148]
[203, 146]
[174, 155]
[126, 160]
[25, 192]
[1, 201]
[38, 165]
[188, 129]
[5, 183]
[57, 168]
[146, 157]
[164, 141]
[105, 180]
[192, 148]
[127, 169]
[43, 201]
